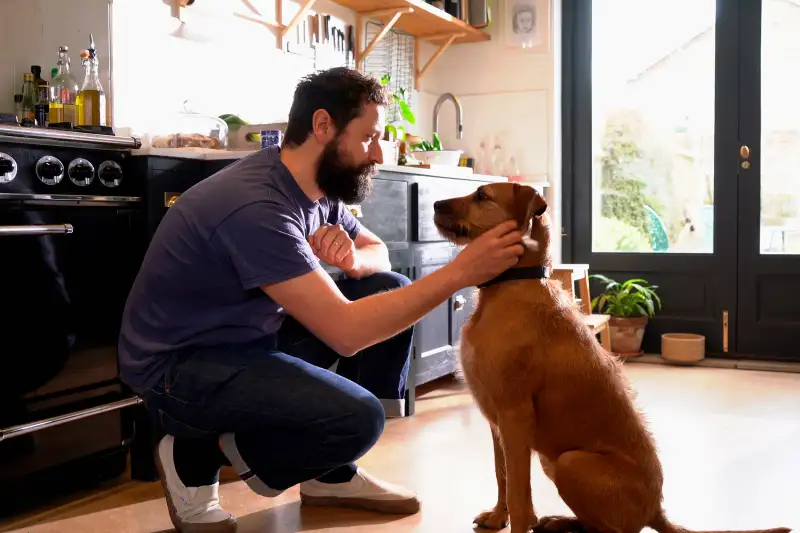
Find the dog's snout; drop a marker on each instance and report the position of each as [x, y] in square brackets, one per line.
[442, 206]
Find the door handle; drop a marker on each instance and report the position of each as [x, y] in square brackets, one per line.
[744, 153]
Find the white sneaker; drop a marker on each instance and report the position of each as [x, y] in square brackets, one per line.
[362, 492]
[191, 509]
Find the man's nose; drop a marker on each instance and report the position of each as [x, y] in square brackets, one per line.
[376, 156]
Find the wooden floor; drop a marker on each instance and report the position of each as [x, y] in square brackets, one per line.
[729, 439]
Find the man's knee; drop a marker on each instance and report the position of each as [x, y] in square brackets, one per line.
[391, 280]
[364, 426]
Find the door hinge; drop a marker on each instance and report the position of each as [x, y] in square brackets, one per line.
[725, 331]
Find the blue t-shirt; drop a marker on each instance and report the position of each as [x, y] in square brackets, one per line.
[199, 284]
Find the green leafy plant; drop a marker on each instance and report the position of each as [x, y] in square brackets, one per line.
[631, 298]
[427, 146]
[401, 98]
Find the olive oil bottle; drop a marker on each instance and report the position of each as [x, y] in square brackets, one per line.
[91, 101]
[63, 107]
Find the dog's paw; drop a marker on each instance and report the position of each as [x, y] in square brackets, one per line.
[558, 524]
[494, 519]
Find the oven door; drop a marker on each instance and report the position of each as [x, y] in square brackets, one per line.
[66, 267]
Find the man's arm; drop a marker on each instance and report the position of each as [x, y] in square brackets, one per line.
[372, 255]
[358, 258]
[348, 327]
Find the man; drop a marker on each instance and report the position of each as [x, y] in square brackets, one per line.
[231, 325]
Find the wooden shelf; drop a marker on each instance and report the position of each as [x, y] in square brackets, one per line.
[414, 17]
[424, 21]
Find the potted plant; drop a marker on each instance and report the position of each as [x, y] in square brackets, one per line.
[394, 134]
[630, 305]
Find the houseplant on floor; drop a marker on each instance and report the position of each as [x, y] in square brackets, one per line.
[630, 305]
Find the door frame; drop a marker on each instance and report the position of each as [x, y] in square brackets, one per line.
[710, 273]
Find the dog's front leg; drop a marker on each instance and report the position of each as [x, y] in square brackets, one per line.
[516, 436]
[496, 518]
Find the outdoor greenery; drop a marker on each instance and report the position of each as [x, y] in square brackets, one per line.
[624, 194]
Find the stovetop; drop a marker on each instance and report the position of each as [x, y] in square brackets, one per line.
[64, 160]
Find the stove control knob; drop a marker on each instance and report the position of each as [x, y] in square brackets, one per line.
[81, 172]
[50, 170]
[110, 173]
[8, 168]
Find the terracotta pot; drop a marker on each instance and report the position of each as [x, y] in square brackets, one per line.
[627, 334]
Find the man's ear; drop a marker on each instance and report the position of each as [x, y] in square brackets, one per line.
[322, 124]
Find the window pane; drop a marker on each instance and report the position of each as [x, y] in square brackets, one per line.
[780, 128]
[653, 126]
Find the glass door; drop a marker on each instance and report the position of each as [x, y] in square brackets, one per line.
[650, 137]
[769, 180]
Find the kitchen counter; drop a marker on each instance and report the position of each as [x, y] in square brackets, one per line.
[222, 155]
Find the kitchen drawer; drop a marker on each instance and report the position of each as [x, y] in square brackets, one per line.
[429, 191]
[385, 211]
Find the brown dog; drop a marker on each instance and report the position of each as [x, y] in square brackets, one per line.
[546, 385]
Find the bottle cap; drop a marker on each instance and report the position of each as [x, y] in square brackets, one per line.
[36, 70]
[54, 72]
[27, 76]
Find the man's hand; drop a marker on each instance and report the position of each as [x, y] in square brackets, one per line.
[334, 246]
[489, 255]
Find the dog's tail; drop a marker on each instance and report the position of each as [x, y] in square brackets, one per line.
[662, 525]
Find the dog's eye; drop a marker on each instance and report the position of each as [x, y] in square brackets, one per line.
[480, 196]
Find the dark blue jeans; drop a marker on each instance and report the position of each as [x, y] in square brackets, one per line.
[292, 419]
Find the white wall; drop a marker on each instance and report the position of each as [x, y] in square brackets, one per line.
[32, 30]
[220, 62]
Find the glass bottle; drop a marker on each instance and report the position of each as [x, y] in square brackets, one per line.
[18, 107]
[66, 89]
[91, 99]
[56, 109]
[28, 98]
[42, 108]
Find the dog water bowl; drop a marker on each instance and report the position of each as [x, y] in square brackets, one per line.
[683, 347]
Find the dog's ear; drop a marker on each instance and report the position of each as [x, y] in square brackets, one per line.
[528, 204]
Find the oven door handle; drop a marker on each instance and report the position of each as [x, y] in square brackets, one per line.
[31, 427]
[38, 229]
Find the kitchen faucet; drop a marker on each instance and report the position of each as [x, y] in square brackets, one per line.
[457, 103]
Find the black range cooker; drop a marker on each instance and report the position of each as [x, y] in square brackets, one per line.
[72, 237]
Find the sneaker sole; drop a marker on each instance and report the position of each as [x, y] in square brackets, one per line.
[226, 526]
[406, 507]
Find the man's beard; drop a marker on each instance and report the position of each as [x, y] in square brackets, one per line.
[340, 180]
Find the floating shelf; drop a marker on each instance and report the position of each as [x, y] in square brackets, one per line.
[424, 21]
[414, 17]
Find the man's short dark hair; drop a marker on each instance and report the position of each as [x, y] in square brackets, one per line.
[340, 91]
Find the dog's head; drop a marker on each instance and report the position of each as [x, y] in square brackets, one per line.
[464, 218]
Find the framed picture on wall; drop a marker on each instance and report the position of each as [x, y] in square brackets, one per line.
[526, 25]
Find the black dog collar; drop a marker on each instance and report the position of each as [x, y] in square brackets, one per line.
[537, 272]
